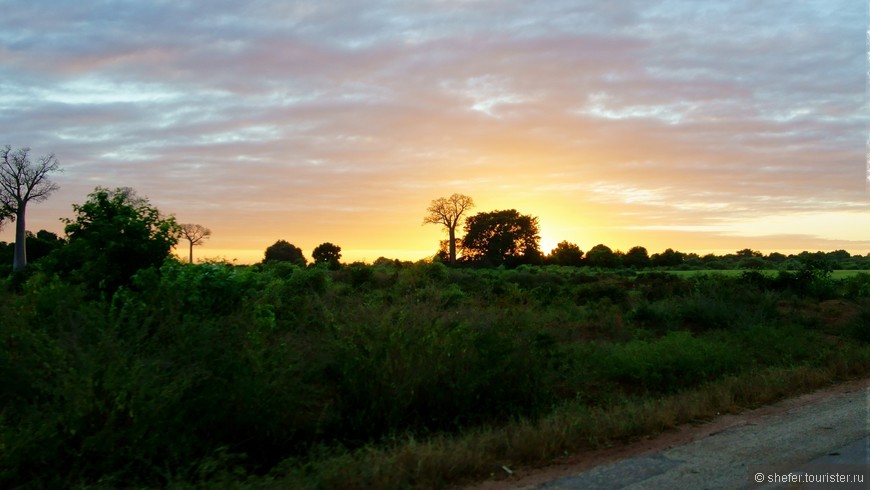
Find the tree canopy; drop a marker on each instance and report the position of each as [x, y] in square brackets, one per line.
[602, 256]
[328, 254]
[501, 237]
[566, 253]
[283, 251]
[636, 257]
[114, 234]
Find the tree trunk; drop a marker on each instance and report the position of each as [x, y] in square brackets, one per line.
[191, 251]
[19, 261]
[452, 245]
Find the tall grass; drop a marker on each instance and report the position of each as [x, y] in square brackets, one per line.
[378, 377]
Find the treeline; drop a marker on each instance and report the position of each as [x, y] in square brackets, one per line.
[125, 367]
[602, 256]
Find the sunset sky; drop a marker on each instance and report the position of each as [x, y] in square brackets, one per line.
[700, 126]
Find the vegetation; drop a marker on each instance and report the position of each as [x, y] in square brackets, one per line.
[23, 182]
[501, 238]
[195, 235]
[283, 251]
[124, 367]
[327, 254]
[114, 234]
[449, 212]
[284, 374]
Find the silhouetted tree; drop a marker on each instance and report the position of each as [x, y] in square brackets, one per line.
[23, 182]
[42, 244]
[748, 252]
[602, 256]
[114, 234]
[195, 235]
[636, 257]
[668, 258]
[501, 237]
[449, 212]
[328, 254]
[566, 253]
[282, 251]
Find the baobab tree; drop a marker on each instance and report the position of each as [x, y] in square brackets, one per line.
[23, 182]
[195, 234]
[448, 212]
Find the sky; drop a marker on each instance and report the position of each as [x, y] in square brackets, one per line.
[705, 127]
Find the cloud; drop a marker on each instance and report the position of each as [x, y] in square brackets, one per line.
[357, 114]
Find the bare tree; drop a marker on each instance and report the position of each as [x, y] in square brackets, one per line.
[448, 212]
[22, 182]
[195, 234]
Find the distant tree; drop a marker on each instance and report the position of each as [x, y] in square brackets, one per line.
[23, 182]
[668, 258]
[195, 235]
[42, 244]
[754, 263]
[449, 212]
[636, 257]
[748, 252]
[114, 234]
[501, 237]
[776, 258]
[328, 254]
[566, 253]
[282, 251]
[602, 256]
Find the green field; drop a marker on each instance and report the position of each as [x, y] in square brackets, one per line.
[836, 274]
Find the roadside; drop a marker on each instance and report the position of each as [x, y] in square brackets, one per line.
[792, 431]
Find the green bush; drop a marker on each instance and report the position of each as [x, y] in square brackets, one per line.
[190, 368]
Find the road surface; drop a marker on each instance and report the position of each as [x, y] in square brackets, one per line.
[827, 427]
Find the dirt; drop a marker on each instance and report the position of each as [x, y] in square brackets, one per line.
[580, 462]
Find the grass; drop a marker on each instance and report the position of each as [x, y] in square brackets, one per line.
[836, 274]
[444, 461]
[413, 376]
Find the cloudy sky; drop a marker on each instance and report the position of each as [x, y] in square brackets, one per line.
[701, 126]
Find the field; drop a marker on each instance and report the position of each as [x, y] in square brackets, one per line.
[393, 376]
[835, 274]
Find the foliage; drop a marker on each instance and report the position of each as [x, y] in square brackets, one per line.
[566, 253]
[501, 238]
[636, 257]
[197, 374]
[282, 251]
[327, 254]
[114, 234]
[602, 256]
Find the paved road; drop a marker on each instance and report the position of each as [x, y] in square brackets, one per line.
[835, 430]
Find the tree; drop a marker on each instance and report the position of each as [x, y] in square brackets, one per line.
[668, 258]
[748, 252]
[501, 237]
[195, 235]
[23, 182]
[114, 234]
[636, 257]
[449, 212]
[566, 253]
[602, 256]
[328, 254]
[282, 251]
[42, 244]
